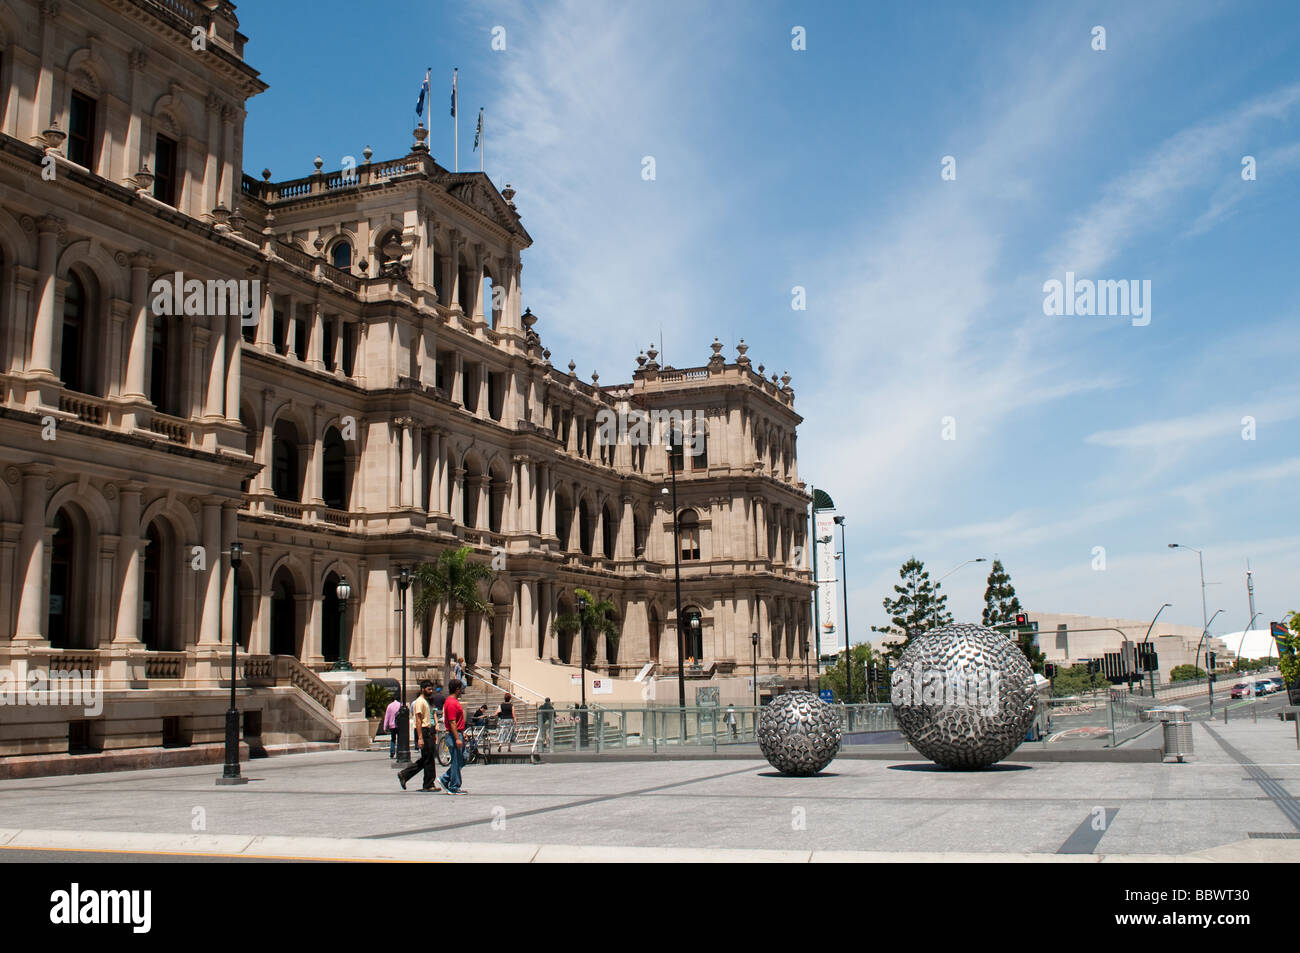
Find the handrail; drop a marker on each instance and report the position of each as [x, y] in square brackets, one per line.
[487, 680]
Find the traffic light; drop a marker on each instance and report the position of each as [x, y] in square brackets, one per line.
[1022, 620]
[1050, 670]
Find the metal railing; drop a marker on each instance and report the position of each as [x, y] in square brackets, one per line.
[709, 726]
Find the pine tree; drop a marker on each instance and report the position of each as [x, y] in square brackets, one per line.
[1001, 606]
[918, 607]
[1000, 601]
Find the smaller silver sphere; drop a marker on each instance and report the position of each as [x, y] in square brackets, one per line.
[799, 733]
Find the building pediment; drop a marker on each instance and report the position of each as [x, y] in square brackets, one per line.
[475, 190]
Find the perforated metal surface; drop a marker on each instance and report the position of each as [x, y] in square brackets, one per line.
[799, 733]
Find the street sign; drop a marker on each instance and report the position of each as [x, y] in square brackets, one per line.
[1280, 634]
[827, 695]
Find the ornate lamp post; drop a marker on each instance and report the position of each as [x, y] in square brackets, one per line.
[344, 592]
[230, 773]
[403, 713]
[844, 578]
[582, 668]
[753, 640]
[807, 673]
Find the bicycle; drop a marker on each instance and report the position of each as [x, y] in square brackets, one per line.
[471, 736]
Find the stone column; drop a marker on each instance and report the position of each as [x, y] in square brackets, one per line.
[264, 481]
[233, 382]
[210, 627]
[130, 590]
[33, 600]
[527, 496]
[626, 542]
[458, 495]
[315, 460]
[316, 338]
[137, 335]
[408, 456]
[416, 467]
[42, 357]
[216, 383]
[229, 533]
[211, 185]
[598, 531]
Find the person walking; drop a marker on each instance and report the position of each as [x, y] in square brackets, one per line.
[453, 716]
[545, 721]
[422, 716]
[730, 720]
[457, 667]
[390, 725]
[506, 724]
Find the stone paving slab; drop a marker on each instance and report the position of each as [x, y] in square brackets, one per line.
[326, 804]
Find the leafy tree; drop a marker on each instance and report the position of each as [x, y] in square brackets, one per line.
[1250, 664]
[863, 655]
[1289, 652]
[1185, 673]
[601, 618]
[1001, 605]
[918, 607]
[453, 582]
[1076, 680]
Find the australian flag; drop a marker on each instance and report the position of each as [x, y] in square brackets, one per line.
[424, 90]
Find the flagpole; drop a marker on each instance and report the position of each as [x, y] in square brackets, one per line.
[482, 141]
[455, 124]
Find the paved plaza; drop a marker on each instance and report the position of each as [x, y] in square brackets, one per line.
[1234, 802]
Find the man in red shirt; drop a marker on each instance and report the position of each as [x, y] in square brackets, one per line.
[453, 717]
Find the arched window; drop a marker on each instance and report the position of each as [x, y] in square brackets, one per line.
[162, 389]
[693, 633]
[285, 482]
[609, 533]
[284, 639]
[638, 534]
[341, 256]
[688, 531]
[63, 608]
[75, 315]
[334, 478]
[563, 520]
[331, 620]
[584, 528]
[153, 589]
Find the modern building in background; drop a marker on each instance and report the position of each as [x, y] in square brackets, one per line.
[338, 372]
[1068, 639]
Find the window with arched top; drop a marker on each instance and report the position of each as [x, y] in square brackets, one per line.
[76, 308]
[688, 532]
[286, 480]
[341, 256]
[334, 476]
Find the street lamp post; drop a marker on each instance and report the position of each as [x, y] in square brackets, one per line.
[1201, 558]
[848, 646]
[677, 583]
[807, 672]
[753, 640]
[934, 616]
[403, 713]
[1147, 637]
[230, 773]
[582, 670]
[344, 593]
[1209, 675]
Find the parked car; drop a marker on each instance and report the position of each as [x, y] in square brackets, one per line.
[1242, 689]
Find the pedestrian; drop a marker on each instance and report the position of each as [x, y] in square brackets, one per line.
[453, 715]
[457, 667]
[390, 725]
[730, 719]
[506, 723]
[464, 672]
[545, 719]
[422, 715]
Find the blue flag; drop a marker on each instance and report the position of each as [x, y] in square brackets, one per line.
[453, 92]
[424, 89]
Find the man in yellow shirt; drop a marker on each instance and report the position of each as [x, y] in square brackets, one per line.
[426, 740]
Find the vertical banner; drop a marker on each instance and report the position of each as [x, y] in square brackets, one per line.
[827, 609]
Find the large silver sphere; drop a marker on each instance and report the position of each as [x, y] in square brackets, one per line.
[799, 733]
[963, 695]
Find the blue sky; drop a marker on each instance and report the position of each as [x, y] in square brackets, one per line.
[820, 168]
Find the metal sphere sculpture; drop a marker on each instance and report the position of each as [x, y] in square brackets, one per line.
[963, 695]
[799, 733]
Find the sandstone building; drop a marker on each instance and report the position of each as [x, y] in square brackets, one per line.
[384, 396]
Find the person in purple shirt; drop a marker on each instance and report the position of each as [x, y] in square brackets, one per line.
[390, 725]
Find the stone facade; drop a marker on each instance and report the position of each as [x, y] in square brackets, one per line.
[364, 390]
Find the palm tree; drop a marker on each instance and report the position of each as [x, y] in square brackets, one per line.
[453, 583]
[598, 617]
